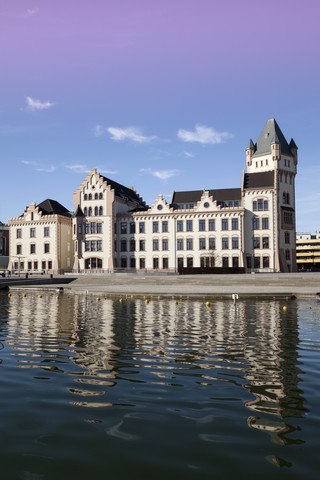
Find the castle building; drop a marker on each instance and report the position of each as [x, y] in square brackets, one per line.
[252, 226]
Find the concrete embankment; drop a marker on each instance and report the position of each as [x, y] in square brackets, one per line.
[247, 285]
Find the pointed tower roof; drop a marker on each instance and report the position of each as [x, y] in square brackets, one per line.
[292, 144]
[250, 145]
[78, 212]
[270, 134]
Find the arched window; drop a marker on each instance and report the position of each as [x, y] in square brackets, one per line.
[100, 210]
[100, 195]
[85, 211]
[284, 197]
[90, 211]
[96, 210]
[96, 196]
[85, 196]
[90, 196]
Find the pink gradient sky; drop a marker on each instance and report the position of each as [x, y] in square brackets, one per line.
[157, 67]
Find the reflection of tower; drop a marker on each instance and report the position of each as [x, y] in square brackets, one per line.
[272, 339]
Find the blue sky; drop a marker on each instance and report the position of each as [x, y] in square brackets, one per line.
[158, 95]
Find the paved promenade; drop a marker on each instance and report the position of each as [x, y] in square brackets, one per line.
[268, 284]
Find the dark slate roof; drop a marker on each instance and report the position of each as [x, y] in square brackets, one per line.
[78, 212]
[194, 196]
[292, 144]
[258, 179]
[271, 133]
[124, 192]
[52, 207]
[250, 145]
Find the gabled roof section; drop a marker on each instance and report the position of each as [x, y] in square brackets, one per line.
[52, 207]
[194, 196]
[78, 212]
[270, 134]
[124, 192]
[258, 180]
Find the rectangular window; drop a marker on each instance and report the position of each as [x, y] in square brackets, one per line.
[93, 245]
[123, 227]
[180, 244]
[180, 262]
[212, 243]
[46, 248]
[123, 262]
[87, 246]
[132, 244]
[43, 265]
[265, 262]
[202, 225]
[46, 231]
[265, 223]
[155, 244]
[265, 242]
[33, 248]
[265, 205]
[132, 262]
[225, 243]
[189, 225]
[256, 223]
[142, 245]
[19, 233]
[99, 245]
[287, 218]
[142, 263]
[256, 242]
[132, 227]
[189, 244]
[32, 232]
[235, 262]
[249, 262]
[19, 249]
[50, 265]
[235, 242]
[225, 262]
[155, 227]
[79, 228]
[236, 203]
[155, 263]
[165, 226]
[235, 224]
[190, 262]
[165, 263]
[99, 227]
[123, 245]
[141, 227]
[87, 227]
[212, 225]
[286, 237]
[260, 204]
[224, 224]
[165, 245]
[202, 243]
[254, 206]
[179, 225]
[29, 265]
[35, 265]
[93, 227]
[256, 262]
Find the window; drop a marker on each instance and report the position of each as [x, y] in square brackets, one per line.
[99, 227]
[286, 237]
[225, 262]
[265, 242]
[256, 242]
[255, 223]
[165, 226]
[93, 227]
[287, 254]
[179, 225]
[212, 243]
[189, 225]
[32, 232]
[96, 196]
[180, 244]
[288, 218]
[46, 248]
[132, 227]
[190, 262]
[123, 245]
[235, 262]
[123, 228]
[224, 224]
[142, 262]
[87, 227]
[46, 232]
[80, 228]
[85, 196]
[265, 262]
[33, 248]
[132, 245]
[265, 205]
[235, 224]
[254, 205]
[141, 227]
[50, 265]
[142, 245]
[165, 263]
[99, 245]
[235, 242]
[96, 211]
[256, 262]
[85, 211]
[93, 245]
[29, 265]
[249, 262]
[19, 249]
[19, 233]
[155, 263]
[43, 265]
[225, 243]
[100, 210]
[212, 224]
[90, 212]
[132, 262]
[100, 196]
[155, 227]
[155, 244]
[260, 204]
[189, 244]
[165, 245]
[123, 262]
[90, 196]
[35, 265]
[202, 243]
[202, 225]
[180, 262]
[265, 223]
[87, 246]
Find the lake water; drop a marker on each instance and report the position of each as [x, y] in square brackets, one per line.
[109, 390]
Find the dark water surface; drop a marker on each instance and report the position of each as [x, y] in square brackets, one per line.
[110, 390]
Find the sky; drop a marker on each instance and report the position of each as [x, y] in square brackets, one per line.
[158, 95]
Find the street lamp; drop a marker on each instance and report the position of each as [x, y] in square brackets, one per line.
[19, 259]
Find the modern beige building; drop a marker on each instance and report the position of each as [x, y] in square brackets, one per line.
[308, 251]
[41, 239]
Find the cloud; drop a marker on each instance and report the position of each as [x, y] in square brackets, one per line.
[38, 166]
[188, 154]
[32, 11]
[34, 105]
[98, 130]
[49, 169]
[162, 174]
[82, 168]
[129, 133]
[203, 134]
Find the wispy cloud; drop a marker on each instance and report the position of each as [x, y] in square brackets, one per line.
[32, 11]
[204, 135]
[35, 105]
[82, 168]
[188, 154]
[51, 168]
[39, 167]
[98, 130]
[130, 133]
[162, 174]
